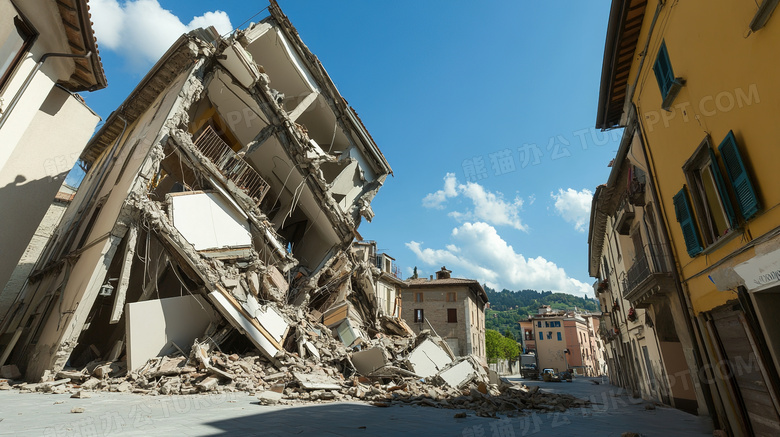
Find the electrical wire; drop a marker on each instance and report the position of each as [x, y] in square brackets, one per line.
[245, 21]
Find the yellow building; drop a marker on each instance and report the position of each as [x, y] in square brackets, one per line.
[701, 79]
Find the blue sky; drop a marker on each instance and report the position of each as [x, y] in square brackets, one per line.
[485, 113]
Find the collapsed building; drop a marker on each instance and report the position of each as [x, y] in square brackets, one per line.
[210, 247]
[234, 173]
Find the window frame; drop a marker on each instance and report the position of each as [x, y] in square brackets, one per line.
[668, 84]
[702, 160]
[541, 335]
[560, 337]
[419, 315]
[662, 67]
[452, 315]
[29, 35]
[418, 297]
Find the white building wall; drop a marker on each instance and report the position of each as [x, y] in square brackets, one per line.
[30, 256]
[37, 167]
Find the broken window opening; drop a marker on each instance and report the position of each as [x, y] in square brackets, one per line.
[91, 223]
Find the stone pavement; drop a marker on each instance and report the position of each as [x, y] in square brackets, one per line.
[612, 414]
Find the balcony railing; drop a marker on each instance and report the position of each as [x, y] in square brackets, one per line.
[231, 165]
[650, 272]
[394, 269]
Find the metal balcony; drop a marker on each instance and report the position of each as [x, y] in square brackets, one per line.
[649, 277]
[231, 165]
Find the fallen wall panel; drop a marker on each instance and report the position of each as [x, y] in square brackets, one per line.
[154, 325]
[428, 359]
[245, 324]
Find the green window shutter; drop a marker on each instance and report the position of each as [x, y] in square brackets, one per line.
[724, 195]
[738, 176]
[663, 70]
[682, 209]
[659, 76]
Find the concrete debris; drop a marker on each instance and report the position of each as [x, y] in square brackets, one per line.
[269, 397]
[385, 380]
[428, 358]
[10, 372]
[225, 196]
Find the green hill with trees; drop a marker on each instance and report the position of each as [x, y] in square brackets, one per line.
[509, 307]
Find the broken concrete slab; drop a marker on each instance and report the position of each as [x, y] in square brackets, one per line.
[102, 371]
[369, 360]
[154, 327]
[244, 322]
[316, 382]
[208, 384]
[428, 358]
[269, 397]
[208, 220]
[10, 372]
[460, 374]
[275, 285]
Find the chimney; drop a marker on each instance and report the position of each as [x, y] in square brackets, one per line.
[443, 273]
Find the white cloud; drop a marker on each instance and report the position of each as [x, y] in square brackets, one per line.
[487, 206]
[478, 252]
[437, 199]
[574, 206]
[141, 30]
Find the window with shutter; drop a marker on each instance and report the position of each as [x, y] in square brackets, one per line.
[682, 210]
[663, 70]
[747, 201]
[709, 198]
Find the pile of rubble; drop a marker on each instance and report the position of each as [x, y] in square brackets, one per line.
[384, 371]
[226, 258]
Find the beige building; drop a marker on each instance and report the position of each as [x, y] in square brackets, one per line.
[454, 307]
[565, 340]
[387, 282]
[47, 53]
[648, 341]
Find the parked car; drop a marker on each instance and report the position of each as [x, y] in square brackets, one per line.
[550, 375]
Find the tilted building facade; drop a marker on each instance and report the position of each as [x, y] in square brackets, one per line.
[695, 84]
[234, 172]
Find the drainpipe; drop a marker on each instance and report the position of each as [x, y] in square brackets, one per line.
[30, 77]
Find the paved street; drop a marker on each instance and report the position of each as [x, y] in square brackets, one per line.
[239, 414]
